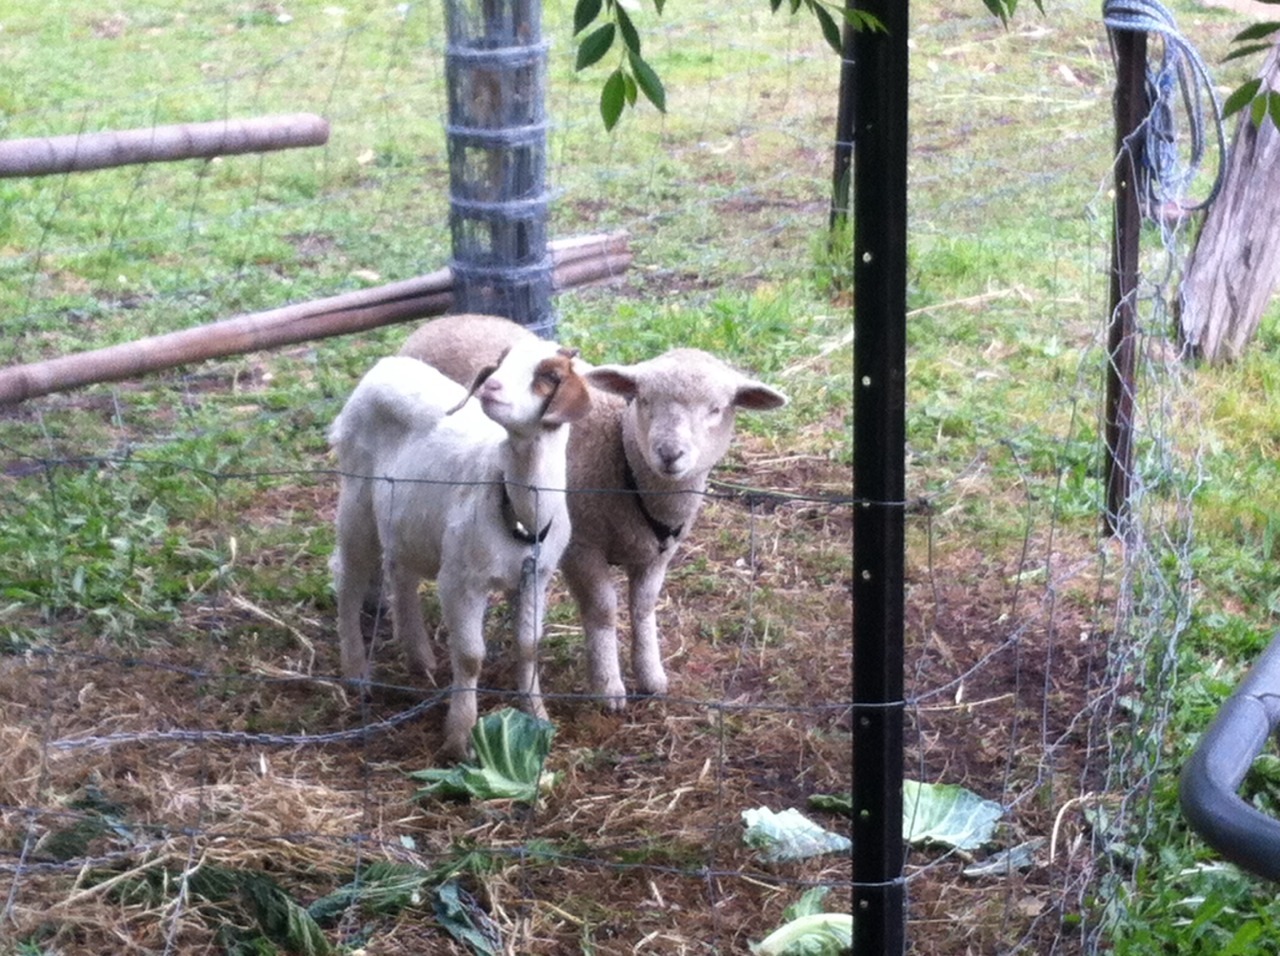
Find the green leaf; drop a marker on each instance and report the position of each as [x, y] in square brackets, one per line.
[808, 904]
[997, 7]
[632, 91]
[820, 934]
[613, 97]
[829, 28]
[861, 20]
[594, 46]
[281, 919]
[789, 835]
[1245, 937]
[584, 13]
[1241, 97]
[648, 82]
[73, 841]
[834, 802]
[630, 35]
[1020, 857]
[1249, 50]
[1258, 109]
[462, 917]
[947, 814]
[1256, 31]
[511, 748]
[1273, 109]
[383, 888]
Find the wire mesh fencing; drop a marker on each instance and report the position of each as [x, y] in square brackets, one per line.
[183, 768]
[1042, 653]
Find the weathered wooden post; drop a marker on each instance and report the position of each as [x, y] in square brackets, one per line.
[1122, 348]
[1232, 271]
[80, 152]
[495, 67]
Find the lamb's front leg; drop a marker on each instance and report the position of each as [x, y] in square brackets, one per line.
[463, 608]
[531, 604]
[646, 648]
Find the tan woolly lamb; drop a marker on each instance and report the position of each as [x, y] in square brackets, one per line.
[638, 467]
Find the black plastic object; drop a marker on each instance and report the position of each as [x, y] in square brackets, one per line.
[1211, 778]
[495, 69]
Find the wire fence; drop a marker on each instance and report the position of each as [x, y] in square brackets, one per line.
[1042, 656]
[183, 770]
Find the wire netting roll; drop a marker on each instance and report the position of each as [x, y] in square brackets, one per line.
[495, 67]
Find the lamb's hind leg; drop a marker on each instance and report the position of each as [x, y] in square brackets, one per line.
[354, 563]
[591, 583]
[406, 617]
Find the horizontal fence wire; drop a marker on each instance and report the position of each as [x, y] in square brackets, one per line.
[169, 706]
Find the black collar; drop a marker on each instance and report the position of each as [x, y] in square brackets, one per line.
[516, 527]
[663, 532]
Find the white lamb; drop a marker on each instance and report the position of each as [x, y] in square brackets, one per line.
[638, 467]
[469, 492]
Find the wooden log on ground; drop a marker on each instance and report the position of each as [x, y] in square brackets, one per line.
[47, 156]
[577, 262]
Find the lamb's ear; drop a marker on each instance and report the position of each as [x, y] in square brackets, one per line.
[758, 397]
[616, 379]
[569, 402]
[483, 374]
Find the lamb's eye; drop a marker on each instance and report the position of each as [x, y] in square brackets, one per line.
[714, 411]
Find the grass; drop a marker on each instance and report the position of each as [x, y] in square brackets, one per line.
[1008, 257]
[163, 561]
[166, 540]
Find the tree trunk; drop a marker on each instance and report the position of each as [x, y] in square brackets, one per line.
[1232, 270]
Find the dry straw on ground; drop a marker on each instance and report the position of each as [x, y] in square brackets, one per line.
[638, 848]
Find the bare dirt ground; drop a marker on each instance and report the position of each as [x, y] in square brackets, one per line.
[637, 848]
[1004, 681]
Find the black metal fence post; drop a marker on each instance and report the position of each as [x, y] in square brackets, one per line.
[1130, 112]
[880, 85]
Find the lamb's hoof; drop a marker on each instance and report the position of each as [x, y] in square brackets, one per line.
[537, 712]
[359, 686]
[419, 667]
[454, 752]
[652, 685]
[613, 701]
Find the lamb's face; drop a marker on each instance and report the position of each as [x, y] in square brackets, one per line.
[684, 408]
[533, 386]
[682, 432]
